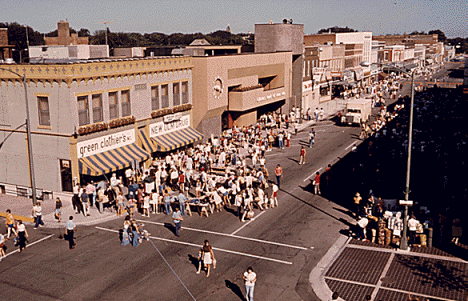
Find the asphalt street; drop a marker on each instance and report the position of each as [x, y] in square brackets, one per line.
[282, 245]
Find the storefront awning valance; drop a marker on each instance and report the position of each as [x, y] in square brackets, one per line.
[359, 73]
[111, 160]
[147, 142]
[179, 138]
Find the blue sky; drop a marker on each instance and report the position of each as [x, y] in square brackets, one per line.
[187, 16]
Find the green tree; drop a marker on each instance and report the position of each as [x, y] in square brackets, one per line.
[440, 33]
[336, 29]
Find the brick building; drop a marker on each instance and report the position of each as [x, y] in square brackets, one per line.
[64, 38]
[5, 49]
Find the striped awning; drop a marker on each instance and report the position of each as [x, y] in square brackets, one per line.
[111, 160]
[147, 143]
[180, 138]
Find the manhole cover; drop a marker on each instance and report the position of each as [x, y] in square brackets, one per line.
[387, 280]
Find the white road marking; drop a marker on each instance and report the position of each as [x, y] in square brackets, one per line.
[233, 236]
[214, 248]
[352, 144]
[242, 227]
[313, 174]
[33, 243]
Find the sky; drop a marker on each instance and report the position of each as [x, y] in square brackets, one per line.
[189, 16]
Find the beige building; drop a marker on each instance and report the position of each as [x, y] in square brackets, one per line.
[236, 89]
[64, 38]
[90, 119]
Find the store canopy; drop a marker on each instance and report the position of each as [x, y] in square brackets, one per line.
[147, 142]
[179, 138]
[112, 160]
[411, 66]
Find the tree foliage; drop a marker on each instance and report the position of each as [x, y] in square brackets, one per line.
[17, 35]
[336, 29]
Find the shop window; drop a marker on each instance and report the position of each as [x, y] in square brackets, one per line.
[125, 99]
[113, 105]
[176, 94]
[185, 96]
[97, 107]
[164, 96]
[155, 98]
[44, 114]
[83, 110]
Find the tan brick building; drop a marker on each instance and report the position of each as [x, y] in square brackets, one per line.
[64, 37]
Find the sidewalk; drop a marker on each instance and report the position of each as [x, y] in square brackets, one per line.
[356, 269]
[21, 209]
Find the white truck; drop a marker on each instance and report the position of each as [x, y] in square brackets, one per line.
[357, 111]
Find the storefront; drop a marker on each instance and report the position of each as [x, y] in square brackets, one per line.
[109, 153]
[169, 133]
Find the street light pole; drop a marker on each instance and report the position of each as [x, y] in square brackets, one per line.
[404, 237]
[32, 178]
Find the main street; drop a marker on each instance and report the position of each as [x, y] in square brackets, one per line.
[281, 244]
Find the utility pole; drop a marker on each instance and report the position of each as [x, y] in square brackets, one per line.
[105, 23]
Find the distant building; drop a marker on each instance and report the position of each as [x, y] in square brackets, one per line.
[130, 52]
[64, 38]
[5, 48]
[70, 52]
[201, 47]
[407, 40]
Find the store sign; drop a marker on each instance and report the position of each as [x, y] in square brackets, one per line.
[102, 144]
[163, 127]
[172, 117]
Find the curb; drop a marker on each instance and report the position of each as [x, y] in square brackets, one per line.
[55, 225]
[316, 277]
[19, 217]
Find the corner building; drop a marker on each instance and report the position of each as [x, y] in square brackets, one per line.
[236, 89]
[92, 118]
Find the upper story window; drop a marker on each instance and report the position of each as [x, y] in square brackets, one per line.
[43, 108]
[164, 96]
[155, 98]
[176, 94]
[125, 99]
[83, 110]
[185, 96]
[97, 107]
[113, 105]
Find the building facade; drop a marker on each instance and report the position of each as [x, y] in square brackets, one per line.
[64, 38]
[90, 119]
[237, 89]
[284, 36]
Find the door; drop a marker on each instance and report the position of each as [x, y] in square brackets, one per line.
[66, 175]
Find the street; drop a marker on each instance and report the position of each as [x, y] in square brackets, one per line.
[282, 244]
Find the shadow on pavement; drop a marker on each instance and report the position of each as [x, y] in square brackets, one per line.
[171, 227]
[235, 289]
[193, 260]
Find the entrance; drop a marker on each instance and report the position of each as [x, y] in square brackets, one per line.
[66, 175]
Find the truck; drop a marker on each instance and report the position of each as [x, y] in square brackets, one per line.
[357, 111]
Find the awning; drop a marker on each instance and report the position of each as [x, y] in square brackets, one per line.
[146, 142]
[430, 61]
[111, 160]
[180, 138]
[359, 73]
[411, 66]
[383, 75]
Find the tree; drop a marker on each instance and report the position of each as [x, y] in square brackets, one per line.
[440, 33]
[17, 35]
[83, 32]
[336, 29]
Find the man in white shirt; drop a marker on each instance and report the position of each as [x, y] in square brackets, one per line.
[413, 224]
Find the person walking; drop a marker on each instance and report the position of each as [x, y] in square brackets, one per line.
[70, 229]
[207, 256]
[2, 246]
[177, 217]
[22, 236]
[58, 210]
[302, 157]
[317, 183]
[10, 223]
[38, 212]
[279, 175]
[311, 138]
[250, 278]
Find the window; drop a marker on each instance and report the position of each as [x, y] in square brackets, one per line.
[44, 115]
[113, 105]
[185, 98]
[155, 98]
[83, 113]
[164, 96]
[176, 94]
[97, 107]
[125, 99]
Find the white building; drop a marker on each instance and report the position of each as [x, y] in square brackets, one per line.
[364, 38]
